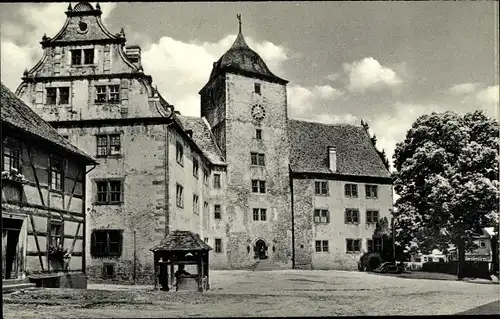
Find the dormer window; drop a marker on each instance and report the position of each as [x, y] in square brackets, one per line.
[82, 57]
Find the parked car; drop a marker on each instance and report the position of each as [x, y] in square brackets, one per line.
[369, 261]
[390, 267]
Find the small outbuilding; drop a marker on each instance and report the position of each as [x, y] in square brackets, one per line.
[181, 248]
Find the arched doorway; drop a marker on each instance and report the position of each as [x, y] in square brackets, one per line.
[260, 249]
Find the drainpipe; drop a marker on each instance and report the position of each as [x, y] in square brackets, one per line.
[167, 179]
[293, 215]
[135, 259]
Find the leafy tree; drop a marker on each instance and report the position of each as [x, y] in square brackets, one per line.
[448, 183]
[373, 139]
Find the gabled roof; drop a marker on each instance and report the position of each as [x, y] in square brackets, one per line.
[203, 137]
[356, 155]
[20, 116]
[181, 240]
[241, 59]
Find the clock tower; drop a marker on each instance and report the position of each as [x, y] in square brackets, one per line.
[246, 107]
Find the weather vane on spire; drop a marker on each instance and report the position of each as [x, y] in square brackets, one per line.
[238, 15]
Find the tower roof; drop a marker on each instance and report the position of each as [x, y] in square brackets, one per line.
[240, 58]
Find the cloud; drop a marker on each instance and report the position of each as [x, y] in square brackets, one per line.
[333, 76]
[180, 69]
[391, 128]
[20, 38]
[369, 74]
[464, 88]
[488, 99]
[302, 100]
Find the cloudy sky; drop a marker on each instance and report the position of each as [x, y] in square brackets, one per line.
[383, 62]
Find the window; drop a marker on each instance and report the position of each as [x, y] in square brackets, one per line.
[371, 191]
[195, 204]
[216, 180]
[369, 245]
[57, 96]
[82, 57]
[179, 153]
[76, 57]
[64, 95]
[106, 242]
[353, 245]
[107, 93]
[56, 170]
[258, 134]
[257, 88]
[426, 259]
[11, 156]
[218, 245]
[378, 244]
[321, 246]
[109, 192]
[321, 188]
[108, 145]
[205, 177]
[179, 198]
[258, 159]
[351, 190]
[205, 208]
[195, 167]
[321, 216]
[258, 186]
[217, 211]
[56, 234]
[351, 216]
[418, 259]
[371, 216]
[482, 244]
[259, 214]
[205, 240]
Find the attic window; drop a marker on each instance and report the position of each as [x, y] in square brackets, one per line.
[82, 27]
[82, 57]
[257, 88]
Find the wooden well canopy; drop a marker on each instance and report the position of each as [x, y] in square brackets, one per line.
[181, 247]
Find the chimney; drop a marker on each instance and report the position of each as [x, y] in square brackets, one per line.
[133, 53]
[332, 158]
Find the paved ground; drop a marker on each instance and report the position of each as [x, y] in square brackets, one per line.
[493, 308]
[267, 293]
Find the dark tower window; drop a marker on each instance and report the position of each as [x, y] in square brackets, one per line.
[258, 134]
[257, 88]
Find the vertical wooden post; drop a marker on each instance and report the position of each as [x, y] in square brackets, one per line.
[207, 270]
[155, 265]
[171, 275]
[199, 266]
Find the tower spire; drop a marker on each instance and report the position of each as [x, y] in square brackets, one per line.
[238, 15]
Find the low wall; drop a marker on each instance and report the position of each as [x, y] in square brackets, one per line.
[75, 280]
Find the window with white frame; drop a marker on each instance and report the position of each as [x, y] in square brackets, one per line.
[57, 96]
[353, 245]
[371, 216]
[217, 211]
[195, 204]
[107, 94]
[216, 181]
[195, 167]
[56, 173]
[179, 196]
[321, 216]
[351, 216]
[371, 191]
[321, 246]
[218, 245]
[108, 145]
[82, 56]
[321, 188]
[259, 214]
[179, 154]
[258, 186]
[351, 190]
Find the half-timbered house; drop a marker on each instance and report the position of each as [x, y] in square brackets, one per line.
[43, 198]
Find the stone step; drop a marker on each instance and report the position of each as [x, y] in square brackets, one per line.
[17, 286]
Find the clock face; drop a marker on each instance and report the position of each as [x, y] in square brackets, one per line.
[258, 112]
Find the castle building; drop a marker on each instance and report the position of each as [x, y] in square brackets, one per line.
[251, 182]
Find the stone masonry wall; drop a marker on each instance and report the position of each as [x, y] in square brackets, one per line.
[336, 231]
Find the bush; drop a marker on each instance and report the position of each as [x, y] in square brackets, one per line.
[472, 269]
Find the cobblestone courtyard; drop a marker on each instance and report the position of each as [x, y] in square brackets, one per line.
[266, 293]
